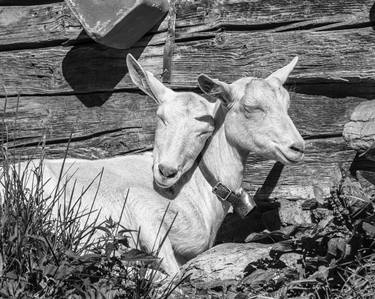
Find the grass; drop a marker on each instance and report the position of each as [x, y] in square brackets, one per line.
[49, 249]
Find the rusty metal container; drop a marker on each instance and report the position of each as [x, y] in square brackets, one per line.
[118, 23]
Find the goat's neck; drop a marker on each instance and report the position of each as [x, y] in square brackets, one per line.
[226, 164]
[224, 161]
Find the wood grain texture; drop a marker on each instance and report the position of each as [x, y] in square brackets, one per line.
[27, 2]
[125, 123]
[72, 85]
[207, 15]
[22, 26]
[338, 56]
[54, 23]
[90, 114]
[345, 56]
[321, 167]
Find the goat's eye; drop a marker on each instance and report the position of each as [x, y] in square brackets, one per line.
[204, 134]
[253, 110]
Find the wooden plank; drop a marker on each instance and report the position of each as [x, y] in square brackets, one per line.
[125, 123]
[90, 115]
[27, 2]
[321, 168]
[316, 115]
[260, 14]
[111, 125]
[345, 56]
[53, 23]
[327, 56]
[22, 26]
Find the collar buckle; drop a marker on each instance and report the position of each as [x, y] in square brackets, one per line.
[219, 189]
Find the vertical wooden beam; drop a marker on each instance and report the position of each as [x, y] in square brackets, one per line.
[169, 44]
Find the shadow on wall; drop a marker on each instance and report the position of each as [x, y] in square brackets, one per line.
[372, 16]
[264, 216]
[92, 68]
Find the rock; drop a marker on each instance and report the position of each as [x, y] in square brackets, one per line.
[292, 213]
[291, 259]
[359, 133]
[224, 264]
[367, 181]
[356, 199]
[268, 280]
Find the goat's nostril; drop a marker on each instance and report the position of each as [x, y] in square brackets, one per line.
[167, 171]
[298, 148]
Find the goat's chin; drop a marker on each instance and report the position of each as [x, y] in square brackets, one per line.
[164, 182]
[287, 157]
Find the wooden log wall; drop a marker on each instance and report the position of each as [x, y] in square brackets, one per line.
[58, 82]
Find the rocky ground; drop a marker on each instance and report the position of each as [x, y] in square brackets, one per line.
[324, 248]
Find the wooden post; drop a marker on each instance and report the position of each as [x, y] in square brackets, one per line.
[169, 44]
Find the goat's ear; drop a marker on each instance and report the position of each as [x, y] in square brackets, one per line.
[215, 88]
[147, 82]
[283, 73]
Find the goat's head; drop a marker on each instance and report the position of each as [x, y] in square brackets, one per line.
[184, 123]
[258, 119]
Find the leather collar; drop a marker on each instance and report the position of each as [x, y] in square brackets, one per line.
[241, 201]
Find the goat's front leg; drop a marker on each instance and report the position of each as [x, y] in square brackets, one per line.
[169, 262]
[148, 238]
[163, 246]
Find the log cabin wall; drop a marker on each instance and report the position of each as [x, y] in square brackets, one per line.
[59, 82]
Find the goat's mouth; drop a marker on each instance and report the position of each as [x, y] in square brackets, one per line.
[288, 156]
[165, 182]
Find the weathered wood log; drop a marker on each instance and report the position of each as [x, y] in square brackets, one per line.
[321, 167]
[27, 2]
[126, 122]
[344, 56]
[53, 23]
[80, 114]
[359, 133]
[105, 125]
[27, 26]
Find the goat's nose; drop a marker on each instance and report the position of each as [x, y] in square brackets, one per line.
[298, 146]
[167, 171]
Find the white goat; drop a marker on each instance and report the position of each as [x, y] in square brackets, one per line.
[186, 126]
[254, 118]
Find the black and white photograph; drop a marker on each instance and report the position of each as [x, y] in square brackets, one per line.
[171, 149]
